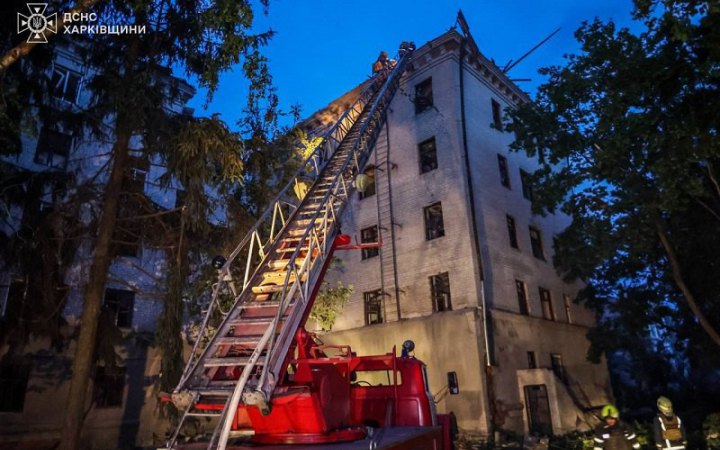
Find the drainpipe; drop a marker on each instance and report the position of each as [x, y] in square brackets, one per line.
[489, 389]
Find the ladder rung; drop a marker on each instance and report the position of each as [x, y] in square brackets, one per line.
[229, 361]
[291, 249]
[204, 414]
[268, 288]
[263, 304]
[247, 320]
[236, 340]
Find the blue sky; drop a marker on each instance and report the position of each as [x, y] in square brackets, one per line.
[325, 47]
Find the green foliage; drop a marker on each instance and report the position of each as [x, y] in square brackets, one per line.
[573, 441]
[711, 430]
[627, 140]
[328, 303]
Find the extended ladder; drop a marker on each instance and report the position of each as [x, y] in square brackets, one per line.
[269, 281]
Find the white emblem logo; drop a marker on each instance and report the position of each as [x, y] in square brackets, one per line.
[37, 23]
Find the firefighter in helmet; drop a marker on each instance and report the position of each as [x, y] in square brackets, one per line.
[669, 430]
[612, 434]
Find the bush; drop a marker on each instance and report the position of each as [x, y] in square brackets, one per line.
[711, 430]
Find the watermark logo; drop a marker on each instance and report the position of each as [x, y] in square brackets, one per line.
[37, 23]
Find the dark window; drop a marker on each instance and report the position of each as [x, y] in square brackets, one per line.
[120, 304]
[512, 231]
[370, 187]
[428, 155]
[65, 84]
[440, 292]
[536, 243]
[497, 114]
[558, 367]
[14, 376]
[423, 96]
[526, 181]
[109, 386]
[369, 235]
[546, 302]
[532, 361]
[53, 148]
[373, 307]
[568, 312]
[434, 227]
[504, 174]
[522, 297]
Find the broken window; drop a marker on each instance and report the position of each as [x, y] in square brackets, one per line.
[120, 304]
[497, 114]
[536, 243]
[109, 386]
[428, 155]
[53, 148]
[434, 227]
[423, 96]
[526, 181]
[367, 236]
[373, 307]
[14, 376]
[440, 292]
[546, 302]
[504, 174]
[522, 297]
[65, 84]
[512, 231]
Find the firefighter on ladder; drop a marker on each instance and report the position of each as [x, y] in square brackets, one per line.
[669, 430]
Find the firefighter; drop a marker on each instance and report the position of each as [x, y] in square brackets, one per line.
[613, 435]
[669, 430]
[381, 63]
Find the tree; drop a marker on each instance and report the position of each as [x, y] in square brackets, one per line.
[131, 88]
[627, 138]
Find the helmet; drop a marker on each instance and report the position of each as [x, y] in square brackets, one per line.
[610, 410]
[665, 406]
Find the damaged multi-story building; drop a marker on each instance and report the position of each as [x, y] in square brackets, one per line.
[463, 266]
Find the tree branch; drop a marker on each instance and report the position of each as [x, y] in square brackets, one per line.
[680, 281]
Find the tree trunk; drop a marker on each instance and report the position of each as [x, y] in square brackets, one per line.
[94, 293]
[684, 288]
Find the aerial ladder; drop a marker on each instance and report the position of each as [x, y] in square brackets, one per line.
[267, 285]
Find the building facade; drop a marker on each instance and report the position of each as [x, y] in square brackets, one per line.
[465, 268]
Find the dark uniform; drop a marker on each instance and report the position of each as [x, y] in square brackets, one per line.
[669, 433]
[614, 437]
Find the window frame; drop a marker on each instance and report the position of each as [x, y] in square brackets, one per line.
[427, 101]
[546, 301]
[375, 299]
[121, 309]
[512, 231]
[496, 113]
[522, 297]
[367, 253]
[532, 360]
[46, 146]
[61, 93]
[438, 230]
[504, 171]
[536, 243]
[429, 156]
[440, 295]
[526, 182]
[371, 188]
